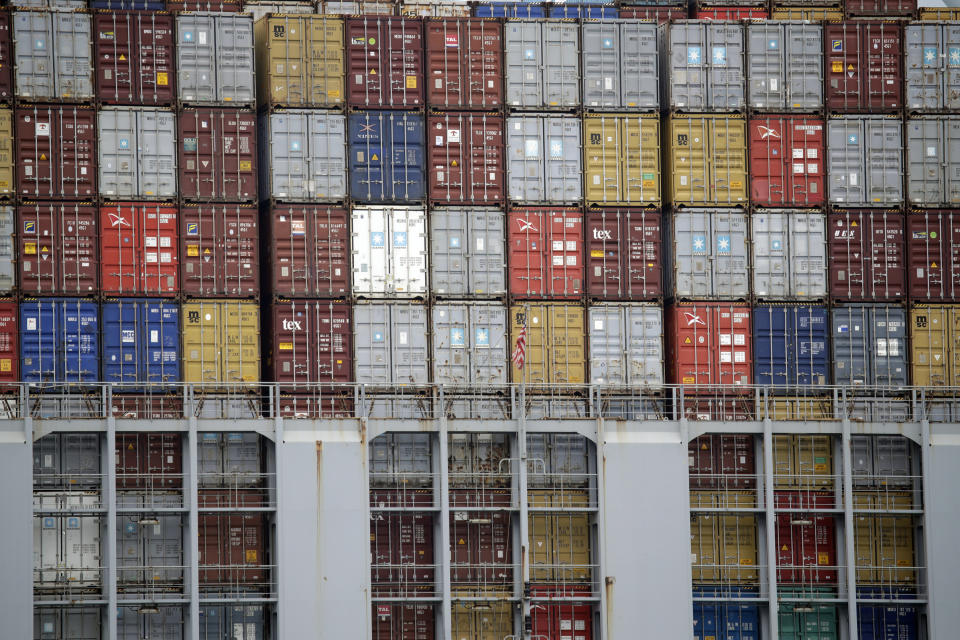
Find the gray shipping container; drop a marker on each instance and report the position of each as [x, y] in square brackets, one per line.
[137, 152]
[215, 59]
[933, 161]
[228, 459]
[626, 344]
[543, 63]
[401, 453]
[933, 73]
[785, 66]
[68, 459]
[467, 252]
[60, 623]
[53, 55]
[150, 544]
[789, 254]
[881, 456]
[167, 624]
[544, 161]
[865, 161]
[620, 66]
[303, 156]
[232, 622]
[8, 256]
[703, 65]
[390, 343]
[869, 345]
[557, 459]
[706, 255]
[470, 344]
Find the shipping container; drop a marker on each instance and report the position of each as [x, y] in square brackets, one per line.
[467, 252]
[626, 345]
[56, 152]
[141, 343]
[790, 346]
[560, 548]
[555, 346]
[259, 9]
[166, 623]
[491, 621]
[129, 5]
[932, 83]
[884, 462]
[703, 66]
[389, 251]
[620, 66]
[408, 621]
[466, 158]
[806, 541]
[707, 160]
[706, 255]
[546, 252]
[8, 150]
[67, 554]
[933, 169]
[723, 548]
[799, 620]
[225, 6]
[78, 623]
[725, 462]
[385, 65]
[400, 458]
[865, 161]
[881, 8]
[402, 561]
[809, 14]
[387, 156]
[464, 68]
[58, 248]
[887, 621]
[656, 13]
[886, 545]
[709, 344]
[624, 254]
[232, 547]
[309, 341]
[787, 161]
[435, 9]
[622, 158]
[542, 64]
[525, 9]
[59, 340]
[785, 66]
[866, 250]
[555, 610]
[221, 342]
[712, 618]
[481, 552]
[67, 461]
[139, 249]
[391, 344]
[336, 8]
[215, 59]
[218, 153]
[789, 254]
[135, 57]
[543, 159]
[475, 460]
[150, 555]
[602, 10]
[802, 462]
[6, 59]
[138, 153]
[558, 464]
[939, 14]
[803, 408]
[303, 156]
[469, 345]
[863, 66]
[53, 55]
[300, 59]
[935, 345]
[219, 621]
[730, 13]
[230, 460]
[219, 250]
[870, 345]
[150, 461]
[308, 250]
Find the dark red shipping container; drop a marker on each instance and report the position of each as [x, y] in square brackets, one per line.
[702, 462]
[464, 63]
[59, 248]
[731, 13]
[561, 619]
[6, 57]
[709, 343]
[406, 621]
[231, 544]
[658, 14]
[56, 152]
[322, 403]
[867, 255]
[218, 151]
[401, 497]
[864, 66]
[722, 408]
[401, 553]
[624, 254]
[308, 251]
[881, 8]
[480, 497]
[806, 540]
[135, 57]
[466, 158]
[545, 256]
[146, 406]
[139, 249]
[310, 341]
[219, 250]
[787, 158]
[149, 460]
[731, 456]
[480, 549]
[9, 341]
[205, 5]
[384, 62]
[933, 256]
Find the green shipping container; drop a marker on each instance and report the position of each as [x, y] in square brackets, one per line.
[818, 624]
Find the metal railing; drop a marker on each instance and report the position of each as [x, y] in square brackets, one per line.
[68, 583]
[565, 491]
[237, 581]
[402, 490]
[482, 579]
[152, 582]
[407, 580]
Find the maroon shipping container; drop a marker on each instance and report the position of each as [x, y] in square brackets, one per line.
[6, 58]
[480, 550]
[135, 57]
[864, 66]
[231, 544]
[464, 63]
[656, 13]
[146, 407]
[709, 343]
[545, 256]
[58, 245]
[806, 541]
[138, 249]
[731, 456]
[308, 251]
[624, 254]
[401, 497]
[204, 5]
[310, 341]
[724, 409]
[9, 341]
[219, 250]
[731, 13]
[384, 62]
[787, 161]
[556, 619]
[406, 621]
[322, 403]
[401, 553]
[483, 496]
[149, 460]
[881, 8]
[933, 256]
[866, 252]
[56, 152]
[466, 158]
[218, 150]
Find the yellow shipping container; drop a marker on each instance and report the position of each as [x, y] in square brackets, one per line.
[723, 499]
[802, 462]
[707, 160]
[556, 344]
[935, 342]
[799, 409]
[864, 539]
[481, 620]
[6, 153]
[221, 341]
[704, 547]
[939, 14]
[300, 60]
[724, 544]
[884, 544]
[813, 14]
[622, 154]
[558, 541]
[738, 548]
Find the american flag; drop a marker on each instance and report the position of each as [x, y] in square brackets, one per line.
[520, 352]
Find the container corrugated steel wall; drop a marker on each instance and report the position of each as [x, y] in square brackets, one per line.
[387, 156]
[870, 345]
[622, 159]
[703, 66]
[865, 161]
[221, 342]
[542, 64]
[620, 66]
[706, 160]
[390, 344]
[544, 159]
[300, 60]
[789, 254]
[56, 152]
[624, 254]
[53, 54]
[706, 255]
[465, 157]
[467, 252]
[135, 58]
[790, 345]
[785, 66]
[934, 337]
[787, 161]
[470, 344]
[59, 340]
[464, 65]
[141, 342]
[864, 66]
[933, 161]
[303, 156]
[384, 62]
[556, 343]
[626, 344]
[138, 153]
[215, 59]
[389, 251]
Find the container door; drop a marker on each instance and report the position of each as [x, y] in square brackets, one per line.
[601, 65]
[688, 67]
[730, 273]
[288, 163]
[373, 344]
[688, 146]
[927, 66]
[692, 254]
[770, 242]
[645, 345]
[118, 152]
[408, 324]
[7, 150]
[449, 247]
[930, 338]
[608, 337]
[927, 154]
[640, 153]
[121, 345]
[564, 252]
[805, 162]
[202, 342]
[288, 40]
[121, 249]
[561, 64]
[524, 61]
[156, 154]
[38, 150]
[804, 58]
[851, 346]
[644, 254]
[451, 354]
[210, 459]
[951, 144]
[71, 32]
[847, 149]
[728, 156]
[568, 355]
[639, 67]
[408, 252]
[371, 255]
[726, 76]
[324, 267]
[78, 249]
[327, 159]
[772, 346]
[41, 342]
[525, 165]
[161, 342]
[488, 327]
[846, 66]
[808, 255]
[163, 550]
[198, 234]
[486, 273]
[528, 252]
[769, 160]
[79, 325]
[76, 134]
[34, 46]
[889, 347]
[196, 59]
[809, 329]
[234, 58]
[603, 157]
[241, 342]
[951, 77]
[534, 318]
[884, 161]
[734, 358]
[883, 83]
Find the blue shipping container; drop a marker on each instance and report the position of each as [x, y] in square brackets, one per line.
[725, 620]
[141, 341]
[59, 340]
[790, 345]
[510, 10]
[222, 621]
[886, 621]
[585, 11]
[387, 156]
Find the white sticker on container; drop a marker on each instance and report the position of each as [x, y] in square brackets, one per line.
[726, 339]
[150, 241]
[41, 129]
[726, 356]
[920, 272]
[557, 245]
[438, 83]
[453, 135]
[774, 84]
[579, 625]
[531, 148]
[932, 152]
[571, 245]
[402, 337]
[693, 558]
[31, 324]
[598, 325]
[558, 261]
[440, 176]
[127, 336]
[739, 339]
[853, 179]
[165, 241]
[683, 180]
[798, 154]
[48, 460]
[882, 347]
[493, 176]
[150, 256]
[812, 168]
[740, 356]
[28, 170]
[169, 459]
[596, 179]
[83, 171]
[812, 153]
[565, 625]
[798, 168]
[438, 141]
[154, 335]
[481, 245]
[608, 84]
[571, 261]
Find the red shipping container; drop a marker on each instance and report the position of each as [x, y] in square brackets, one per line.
[729, 455]
[787, 158]
[866, 253]
[56, 152]
[9, 341]
[318, 404]
[933, 256]
[464, 63]
[566, 620]
[658, 14]
[231, 544]
[310, 341]
[709, 343]
[466, 158]
[731, 13]
[401, 553]
[58, 248]
[218, 150]
[545, 258]
[219, 250]
[406, 621]
[864, 66]
[308, 251]
[149, 460]
[138, 249]
[806, 541]
[135, 58]
[480, 550]
[702, 463]
[624, 254]
[881, 8]
[6, 58]
[384, 62]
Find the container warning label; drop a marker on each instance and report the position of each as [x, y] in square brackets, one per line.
[836, 66]
[836, 45]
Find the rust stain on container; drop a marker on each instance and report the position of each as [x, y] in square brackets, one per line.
[384, 62]
[218, 153]
[466, 158]
[464, 67]
[56, 152]
[219, 250]
[135, 59]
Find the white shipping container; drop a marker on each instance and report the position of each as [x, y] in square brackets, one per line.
[389, 251]
[66, 548]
